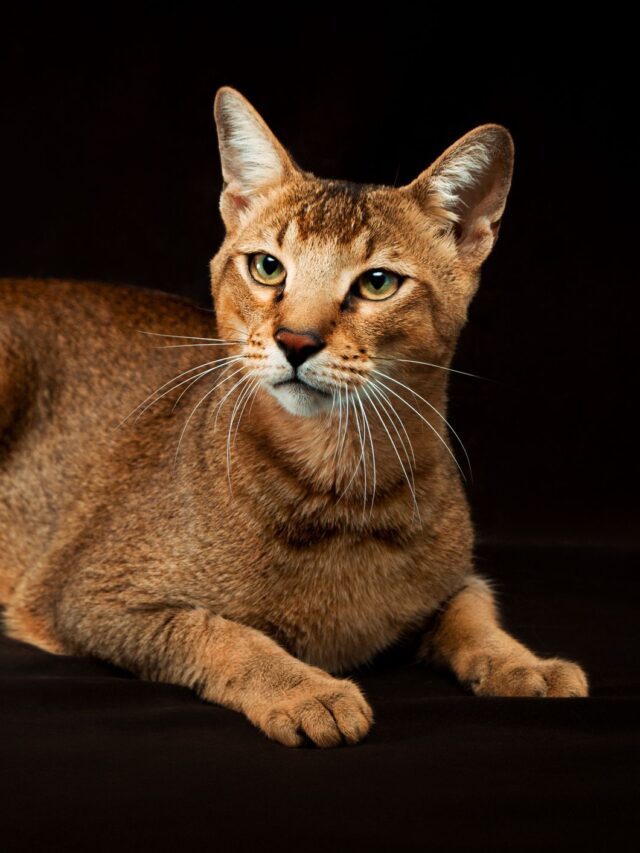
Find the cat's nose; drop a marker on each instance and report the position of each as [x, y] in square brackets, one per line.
[298, 346]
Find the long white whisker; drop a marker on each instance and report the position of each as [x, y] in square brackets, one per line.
[333, 403]
[335, 452]
[258, 386]
[385, 397]
[346, 423]
[233, 413]
[431, 426]
[231, 361]
[384, 402]
[164, 385]
[430, 364]
[218, 407]
[363, 455]
[253, 388]
[377, 392]
[357, 465]
[189, 379]
[197, 406]
[193, 411]
[373, 453]
[212, 344]
[187, 337]
[404, 471]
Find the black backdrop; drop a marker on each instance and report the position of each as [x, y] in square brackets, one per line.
[111, 171]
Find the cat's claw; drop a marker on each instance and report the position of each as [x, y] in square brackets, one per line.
[329, 711]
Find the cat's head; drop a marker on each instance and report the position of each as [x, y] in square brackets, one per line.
[323, 279]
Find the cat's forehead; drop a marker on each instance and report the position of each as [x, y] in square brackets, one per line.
[338, 211]
[329, 215]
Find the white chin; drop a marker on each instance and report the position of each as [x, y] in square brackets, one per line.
[300, 399]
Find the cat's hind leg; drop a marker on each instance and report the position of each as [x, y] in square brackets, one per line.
[467, 637]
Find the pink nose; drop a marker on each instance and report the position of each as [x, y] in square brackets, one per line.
[298, 346]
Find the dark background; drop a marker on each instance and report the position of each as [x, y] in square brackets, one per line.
[110, 171]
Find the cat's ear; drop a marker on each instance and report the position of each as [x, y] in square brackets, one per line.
[252, 159]
[466, 189]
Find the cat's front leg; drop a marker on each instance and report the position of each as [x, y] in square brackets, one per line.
[466, 637]
[225, 662]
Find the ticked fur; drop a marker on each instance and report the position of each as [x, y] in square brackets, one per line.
[247, 540]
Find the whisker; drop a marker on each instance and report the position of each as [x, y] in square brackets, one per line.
[184, 337]
[258, 386]
[164, 385]
[239, 331]
[406, 402]
[383, 397]
[409, 483]
[193, 411]
[363, 440]
[233, 413]
[252, 388]
[244, 395]
[197, 406]
[363, 456]
[218, 406]
[184, 390]
[350, 403]
[179, 384]
[212, 344]
[333, 403]
[335, 452]
[429, 364]
[346, 423]
[376, 390]
[373, 453]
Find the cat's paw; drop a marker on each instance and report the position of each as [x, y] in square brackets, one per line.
[550, 677]
[330, 711]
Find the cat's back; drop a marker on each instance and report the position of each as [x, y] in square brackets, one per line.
[61, 307]
[75, 360]
[89, 338]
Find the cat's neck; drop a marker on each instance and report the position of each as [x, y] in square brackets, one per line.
[320, 461]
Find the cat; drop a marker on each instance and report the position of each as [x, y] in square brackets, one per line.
[252, 501]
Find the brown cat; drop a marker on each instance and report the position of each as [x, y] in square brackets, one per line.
[287, 503]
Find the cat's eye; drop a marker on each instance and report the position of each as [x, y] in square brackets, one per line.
[377, 284]
[266, 269]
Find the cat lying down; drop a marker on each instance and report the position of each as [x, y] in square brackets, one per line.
[250, 502]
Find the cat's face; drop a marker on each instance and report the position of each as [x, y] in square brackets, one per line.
[320, 280]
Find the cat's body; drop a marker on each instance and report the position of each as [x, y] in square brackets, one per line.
[249, 556]
[334, 589]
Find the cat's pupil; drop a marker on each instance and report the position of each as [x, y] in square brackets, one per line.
[377, 279]
[270, 265]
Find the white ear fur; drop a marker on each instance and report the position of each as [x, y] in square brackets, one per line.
[252, 159]
[466, 188]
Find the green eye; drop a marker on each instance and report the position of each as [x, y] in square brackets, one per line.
[266, 269]
[377, 284]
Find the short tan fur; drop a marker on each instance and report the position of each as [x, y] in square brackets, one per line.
[254, 527]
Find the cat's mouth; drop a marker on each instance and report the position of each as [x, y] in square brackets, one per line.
[300, 383]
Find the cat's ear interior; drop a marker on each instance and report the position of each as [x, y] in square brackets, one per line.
[252, 159]
[466, 189]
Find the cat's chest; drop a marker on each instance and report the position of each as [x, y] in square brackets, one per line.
[334, 608]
